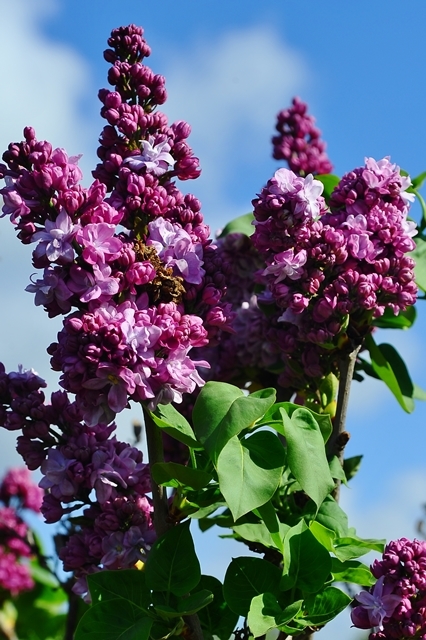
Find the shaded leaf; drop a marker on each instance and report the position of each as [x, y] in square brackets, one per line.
[172, 564]
[324, 606]
[117, 619]
[217, 618]
[173, 474]
[246, 578]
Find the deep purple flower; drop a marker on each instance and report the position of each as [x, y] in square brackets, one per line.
[378, 604]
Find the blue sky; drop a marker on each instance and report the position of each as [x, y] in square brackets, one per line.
[230, 67]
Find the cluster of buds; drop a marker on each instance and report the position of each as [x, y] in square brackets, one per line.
[299, 141]
[17, 492]
[85, 470]
[134, 270]
[396, 606]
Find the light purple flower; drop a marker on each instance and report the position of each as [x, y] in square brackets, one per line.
[287, 264]
[156, 158]
[56, 240]
[99, 242]
[176, 248]
[307, 198]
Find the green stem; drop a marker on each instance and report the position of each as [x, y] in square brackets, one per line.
[154, 443]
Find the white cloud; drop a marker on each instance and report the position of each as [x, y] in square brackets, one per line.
[44, 85]
[230, 91]
[44, 82]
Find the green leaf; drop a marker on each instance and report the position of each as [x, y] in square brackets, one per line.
[127, 584]
[324, 606]
[172, 474]
[404, 320]
[264, 610]
[330, 182]
[258, 532]
[247, 578]
[186, 606]
[419, 256]
[242, 224]
[419, 393]
[307, 564]
[332, 517]
[323, 535]
[418, 181]
[336, 470]
[195, 602]
[351, 466]
[352, 571]
[390, 368]
[306, 454]
[217, 618]
[172, 422]
[273, 418]
[268, 514]
[117, 619]
[351, 547]
[222, 411]
[172, 564]
[250, 471]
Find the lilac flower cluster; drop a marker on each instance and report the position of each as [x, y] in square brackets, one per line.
[135, 270]
[17, 492]
[85, 470]
[330, 272]
[396, 606]
[299, 141]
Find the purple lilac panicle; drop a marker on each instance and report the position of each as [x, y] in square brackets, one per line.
[142, 290]
[17, 492]
[332, 272]
[84, 468]
[396, 605]
[299, 141]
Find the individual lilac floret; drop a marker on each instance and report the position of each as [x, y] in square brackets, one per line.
[376, 605]
[56, 241]
[177, 250]
[299, 141]
[396, 606]
[154, 157]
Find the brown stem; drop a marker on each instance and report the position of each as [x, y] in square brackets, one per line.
[339, 437]
[72, 614]
[159, 494]
[161, 519]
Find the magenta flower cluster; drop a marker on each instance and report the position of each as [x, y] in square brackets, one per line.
[133, 271]
[86, 471]
[299, 141]
[331, 271]
[396, 606]
[17, 492]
